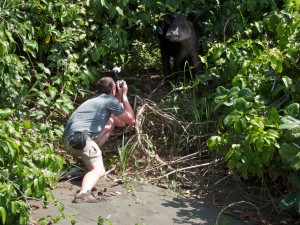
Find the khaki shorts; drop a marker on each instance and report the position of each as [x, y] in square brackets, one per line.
[90, 154]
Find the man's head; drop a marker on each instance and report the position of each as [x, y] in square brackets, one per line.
[106, 85]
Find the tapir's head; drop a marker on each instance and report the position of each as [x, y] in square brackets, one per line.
[180, 26]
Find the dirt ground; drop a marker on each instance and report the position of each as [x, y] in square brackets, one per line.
[130, 204]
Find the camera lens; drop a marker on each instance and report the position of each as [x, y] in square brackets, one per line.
[120, 83]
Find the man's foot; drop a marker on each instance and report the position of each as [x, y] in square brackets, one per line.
[88, 197]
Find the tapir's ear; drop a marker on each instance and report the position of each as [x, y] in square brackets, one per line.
[193, 16]
[168, 18]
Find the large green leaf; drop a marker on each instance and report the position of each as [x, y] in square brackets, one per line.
[240, 103]
[290, 154]
[289, 121]
[292, 110]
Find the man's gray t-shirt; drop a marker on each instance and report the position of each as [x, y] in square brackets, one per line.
[92, 115]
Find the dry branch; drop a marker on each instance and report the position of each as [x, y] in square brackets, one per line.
[186, 168]
[182, 159]
[138, 125]
[153, 124]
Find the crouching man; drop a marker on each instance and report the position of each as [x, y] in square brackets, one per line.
[89, 127]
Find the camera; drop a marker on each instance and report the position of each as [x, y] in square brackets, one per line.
[120, 83]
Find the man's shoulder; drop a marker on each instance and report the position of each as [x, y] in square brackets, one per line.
[105, 96]
[106, 99]
[99, 97]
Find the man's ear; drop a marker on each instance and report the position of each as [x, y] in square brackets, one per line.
[113, 91]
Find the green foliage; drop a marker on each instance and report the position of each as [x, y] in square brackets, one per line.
[28, 166]
[250, 60]
[250, 141]
[255, 70]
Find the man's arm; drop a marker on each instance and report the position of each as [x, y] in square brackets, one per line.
[128, 116]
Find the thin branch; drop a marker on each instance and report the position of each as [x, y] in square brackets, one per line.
[170, 163]
[235, 203]
[139, 122]
[186, 168]
[219, 181]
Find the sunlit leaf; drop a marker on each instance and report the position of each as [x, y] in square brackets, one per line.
[27, 124]
[288, 82]
[47, 39]
[82, 36]
[217, 52]
[3, 214]
[73, 221]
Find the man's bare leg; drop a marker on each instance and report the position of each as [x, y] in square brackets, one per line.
[96, 171]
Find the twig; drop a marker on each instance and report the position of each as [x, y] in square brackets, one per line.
[186, 168]
[235, 203]
[170, 163]
[148, 105]
[224, 30]
[272, 201]
[111, 169]
[219, 181]
[139, 121]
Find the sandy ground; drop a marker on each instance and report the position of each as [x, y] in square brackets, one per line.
[131, 204]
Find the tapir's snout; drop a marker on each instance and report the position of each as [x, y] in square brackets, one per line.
[172, 37]
[173, 34]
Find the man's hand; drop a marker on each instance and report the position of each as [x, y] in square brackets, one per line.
[122, 92]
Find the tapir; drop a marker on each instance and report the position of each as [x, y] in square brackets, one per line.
[179, 37]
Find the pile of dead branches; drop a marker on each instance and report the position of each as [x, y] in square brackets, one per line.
[169, 143]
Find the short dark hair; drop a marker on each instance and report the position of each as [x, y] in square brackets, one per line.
[105, 84]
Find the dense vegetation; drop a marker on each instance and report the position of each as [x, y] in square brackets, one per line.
[51, 51]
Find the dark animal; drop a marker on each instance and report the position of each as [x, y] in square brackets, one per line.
[179, 36]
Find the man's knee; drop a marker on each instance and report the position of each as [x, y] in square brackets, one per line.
[98, 168]
[110, 126]
[101, 172]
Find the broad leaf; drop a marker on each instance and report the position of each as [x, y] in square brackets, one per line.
[289, 201]
[3, 214]
[295, 180]
[292, 110]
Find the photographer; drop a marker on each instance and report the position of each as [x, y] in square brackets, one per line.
[89, 127]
